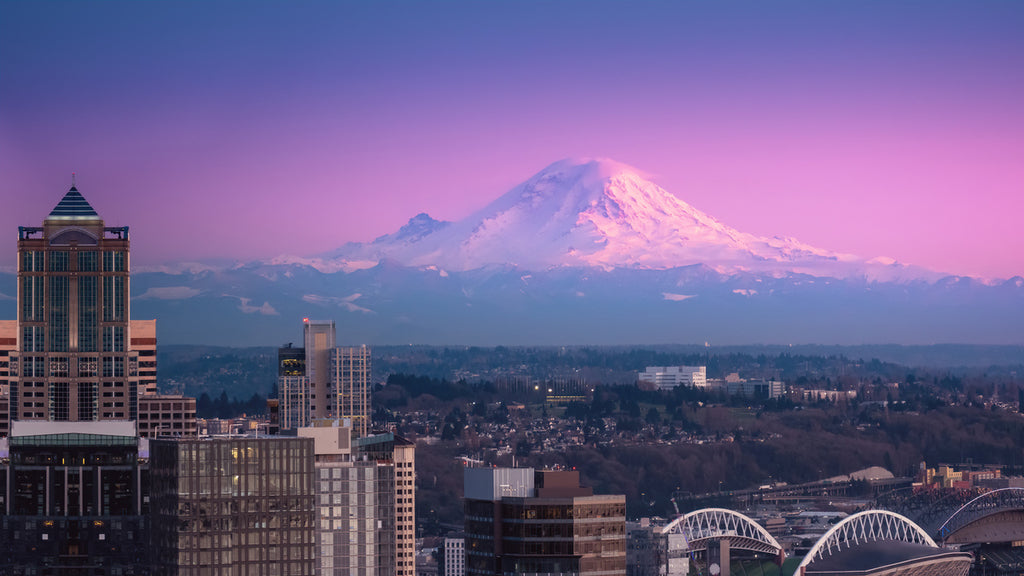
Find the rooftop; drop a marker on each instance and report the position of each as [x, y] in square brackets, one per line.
[73, 206]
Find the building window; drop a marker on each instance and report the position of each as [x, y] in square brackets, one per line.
[58, 313]
[88, 262]
[113, 262]
[87, 314]
[58, 261]
[113, 299]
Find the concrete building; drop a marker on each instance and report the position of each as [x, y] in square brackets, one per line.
[454, 557]
[668, 377]
[143, 341]
[366, 502]
[522, 521]
[242, 506]
[401, 454]
[323, 381]
[167, 415]
[74, 499]
[647, 550]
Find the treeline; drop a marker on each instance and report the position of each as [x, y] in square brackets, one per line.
[224, 407]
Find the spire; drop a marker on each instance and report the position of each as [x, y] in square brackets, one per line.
[73, 207]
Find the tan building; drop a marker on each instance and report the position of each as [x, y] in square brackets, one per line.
[366, 496]
[162, 416]
[74, 354]
[74, 359]
[323, 381]
[8, 344]
[144, 342]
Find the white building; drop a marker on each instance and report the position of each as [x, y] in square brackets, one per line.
[454, 557]
[366, 502]
[668, 377]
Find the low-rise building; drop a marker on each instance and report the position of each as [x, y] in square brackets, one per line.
[668, 377]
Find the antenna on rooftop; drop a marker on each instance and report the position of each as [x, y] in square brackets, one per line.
[72, 179]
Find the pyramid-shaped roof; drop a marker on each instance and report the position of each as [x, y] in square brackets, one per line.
[73, 206]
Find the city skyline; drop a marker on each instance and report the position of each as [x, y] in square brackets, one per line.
[878, 130]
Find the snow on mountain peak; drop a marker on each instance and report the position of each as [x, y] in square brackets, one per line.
[602, 213]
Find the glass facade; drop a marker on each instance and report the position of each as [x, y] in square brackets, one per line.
[582, 535]
[233, 506]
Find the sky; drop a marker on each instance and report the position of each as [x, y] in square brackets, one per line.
[245, 130]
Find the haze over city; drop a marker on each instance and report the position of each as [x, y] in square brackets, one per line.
[237, 131]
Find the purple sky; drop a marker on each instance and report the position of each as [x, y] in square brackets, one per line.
[243, 130]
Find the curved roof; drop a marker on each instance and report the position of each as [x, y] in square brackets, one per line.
[864, 527]
[879, 556]
[73, 206]
[987, 504]
[706, 523]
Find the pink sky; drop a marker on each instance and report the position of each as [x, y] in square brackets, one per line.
[226, 130]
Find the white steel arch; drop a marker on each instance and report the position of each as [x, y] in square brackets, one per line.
[707, 523]
[867, 526]
[987, 504]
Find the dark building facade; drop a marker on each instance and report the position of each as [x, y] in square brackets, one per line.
[233, 506]
[74, 501]
[521, 521]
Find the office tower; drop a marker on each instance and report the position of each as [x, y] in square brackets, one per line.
[75, 359]
[366, 500]
[350, 390]
[401, 453]
[519, 520]
[233, 506]
[319, 339]
[323, 381]
[74, 500]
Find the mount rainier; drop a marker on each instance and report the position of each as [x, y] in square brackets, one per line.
[584, 252]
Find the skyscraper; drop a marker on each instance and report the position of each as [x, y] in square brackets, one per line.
[323, 381]
[366, 493]
[74, 358]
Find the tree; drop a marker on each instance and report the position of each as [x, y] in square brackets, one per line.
[653, 417]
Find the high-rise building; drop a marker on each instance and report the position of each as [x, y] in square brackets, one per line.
[366, 500]
[74, 500]
[233, 506]
[323, 381]
[522, 521]
[389, 448]
[350, 389]
[76, 357]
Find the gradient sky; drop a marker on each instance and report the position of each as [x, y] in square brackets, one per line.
[243, 130]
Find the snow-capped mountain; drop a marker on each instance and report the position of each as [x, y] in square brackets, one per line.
[604, 214]
[585, 252]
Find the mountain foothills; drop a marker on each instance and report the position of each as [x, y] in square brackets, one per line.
[584, 252]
